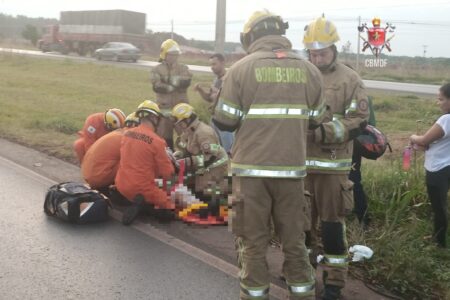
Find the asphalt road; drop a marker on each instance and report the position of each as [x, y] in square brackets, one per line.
[414, 88]
[44, 258]
[113, 261]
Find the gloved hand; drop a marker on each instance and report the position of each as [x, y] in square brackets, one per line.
[163, 88]
[170, 88]
[169, 152]
[174, 81]
[318, 136]
[172, 158]
[184, 83]
[178, 154]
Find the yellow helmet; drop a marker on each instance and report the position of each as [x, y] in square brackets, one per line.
[147, 107]
[376, 21]
[182, 111]
[262, 23]
[320, 34]
[169, 46]
[114, 118]
[132, 120]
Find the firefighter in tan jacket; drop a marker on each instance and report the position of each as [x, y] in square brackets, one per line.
[170, 81]
[202, 152]
[329, 157]
[270, 97]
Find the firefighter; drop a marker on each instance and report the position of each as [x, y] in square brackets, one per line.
[132, 120]
[96, 126]
[101, 161]
[170, 81]
[329, 156]
[271, 97]
[142, 159]
[202, 152]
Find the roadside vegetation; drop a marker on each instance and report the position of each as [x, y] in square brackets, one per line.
[44, 103]
[406, 261]
[405, 69]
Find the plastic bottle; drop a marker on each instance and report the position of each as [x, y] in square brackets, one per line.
[406, 158]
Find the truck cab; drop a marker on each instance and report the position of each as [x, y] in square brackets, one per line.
[51, 40]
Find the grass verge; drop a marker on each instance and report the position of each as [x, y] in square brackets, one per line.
[45, 102]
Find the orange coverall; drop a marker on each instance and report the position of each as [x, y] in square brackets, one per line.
[142, 159]
[101, 161]
[93, 129]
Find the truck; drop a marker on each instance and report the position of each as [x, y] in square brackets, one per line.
[85, 31]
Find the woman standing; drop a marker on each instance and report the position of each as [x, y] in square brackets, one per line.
[436, 142]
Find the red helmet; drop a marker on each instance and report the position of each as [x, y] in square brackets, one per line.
[371, 143]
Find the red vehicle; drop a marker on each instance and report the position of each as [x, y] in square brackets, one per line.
[85, 31]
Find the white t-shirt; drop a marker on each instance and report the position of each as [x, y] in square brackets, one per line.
[437, 156]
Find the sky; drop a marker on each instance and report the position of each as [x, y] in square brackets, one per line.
[420, 25]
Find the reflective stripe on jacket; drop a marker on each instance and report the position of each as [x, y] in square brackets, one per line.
[209, 158]
[347, 113]
[270, 97]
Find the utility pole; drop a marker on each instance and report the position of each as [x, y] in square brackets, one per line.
[424, 50]
[221, 10]
[359, 45]
[171, 35]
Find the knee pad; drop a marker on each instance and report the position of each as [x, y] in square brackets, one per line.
[333, 238]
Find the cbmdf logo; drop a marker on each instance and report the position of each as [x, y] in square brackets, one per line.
[377, 40]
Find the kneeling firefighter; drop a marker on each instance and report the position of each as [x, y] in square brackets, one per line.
[101, 161]
[202, 154]
[96, 126]
[144, 158]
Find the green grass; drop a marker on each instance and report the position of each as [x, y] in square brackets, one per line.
[44, 102]
[405, 69]
[405, 261]
[404, 112]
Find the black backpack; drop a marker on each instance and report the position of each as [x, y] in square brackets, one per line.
[76, 203]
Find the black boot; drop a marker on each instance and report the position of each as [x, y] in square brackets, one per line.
[117, 198]
[331, 292]
[131, 213]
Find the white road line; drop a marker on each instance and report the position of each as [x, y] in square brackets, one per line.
[149, 230]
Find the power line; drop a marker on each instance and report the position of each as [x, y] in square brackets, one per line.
[296, 19]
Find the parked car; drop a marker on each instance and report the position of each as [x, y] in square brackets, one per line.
[118, 51]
